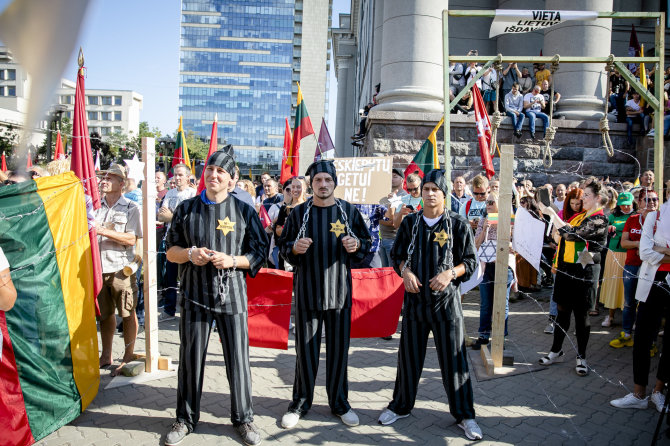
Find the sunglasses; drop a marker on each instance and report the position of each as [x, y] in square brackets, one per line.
[653, 200]
[490, 202]
[414, 189]
[479, 194]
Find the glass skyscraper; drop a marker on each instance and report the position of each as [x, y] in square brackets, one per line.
[237, 62]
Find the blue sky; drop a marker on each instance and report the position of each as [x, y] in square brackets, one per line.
[134, 45]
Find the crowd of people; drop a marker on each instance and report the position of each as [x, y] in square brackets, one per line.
[606, 247]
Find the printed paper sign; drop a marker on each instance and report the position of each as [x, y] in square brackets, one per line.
[517, 21]
[528, 237]
[363, 180]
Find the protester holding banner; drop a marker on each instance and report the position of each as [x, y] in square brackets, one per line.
[321, 238]
[579, 251]
[217, 240]
[433, 253]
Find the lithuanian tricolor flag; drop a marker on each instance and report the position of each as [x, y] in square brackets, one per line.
[302, 128]
[180, 155]
[49, 358]
[426, 158]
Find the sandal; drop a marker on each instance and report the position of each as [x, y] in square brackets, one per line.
[551, 358]
[582, 369]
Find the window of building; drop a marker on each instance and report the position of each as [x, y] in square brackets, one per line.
[11, 75]
[68, 115]
[104, 131]
[2, 75]
[117, 100]
[92, 100]
[65, 99]
[11, 90]
[92, 116]
[2, 90]
[106, 116]
[106, 100]
[117, 115]
[118, 129]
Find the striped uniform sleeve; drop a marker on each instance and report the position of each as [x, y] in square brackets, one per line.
[289, 233]
[360, 230]
[464, 247]
[401, 243]
[255, 244]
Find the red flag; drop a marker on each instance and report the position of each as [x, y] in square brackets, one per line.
[212, 149]
[29, 162]
[81, 163]
[287, 169]
[376, 301]
[269, 308]
[265, 218]
[483, 124]
[59, 154]
[302, 128]
[3, 167]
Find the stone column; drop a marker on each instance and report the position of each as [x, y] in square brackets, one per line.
[377, 37]
[411, 71]
[582, 86]
[528, 44]
[342, 124]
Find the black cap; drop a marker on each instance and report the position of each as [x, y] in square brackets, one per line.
[436, 176]
[223, 158]
[398, 171]
[326, 166]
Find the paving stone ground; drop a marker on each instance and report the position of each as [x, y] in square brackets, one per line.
[551, 406]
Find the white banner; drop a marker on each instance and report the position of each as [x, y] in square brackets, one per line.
[363, 180]
[527, 237]
[517, 21]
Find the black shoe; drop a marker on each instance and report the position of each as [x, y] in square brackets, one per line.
[532, 136]
[177, 433]
[387, 338]
[249, 433]
[478, 343]
[119, 327]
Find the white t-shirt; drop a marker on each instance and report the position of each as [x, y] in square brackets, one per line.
[535, 101]
[488, 80]
[633, 105]
[4, 264]
[559, 204]
[431, 221]
[174, 197]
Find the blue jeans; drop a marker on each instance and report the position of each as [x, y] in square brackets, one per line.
[275, 256]
[385, 246]
[630, 120]
[486, 296]
[532, 116]
[630, 305]
[170, 291]
[666, 124]
[553, 306]
[516, 120]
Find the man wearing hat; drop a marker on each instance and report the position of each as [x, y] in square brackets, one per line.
[433, 253]
[217, 240]
[119, 225]
[321, 238]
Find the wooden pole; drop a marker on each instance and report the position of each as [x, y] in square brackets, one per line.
[502, 252]
[659, 51]
[149, 245]
[447, 107]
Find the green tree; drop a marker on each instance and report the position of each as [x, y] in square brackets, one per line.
[9, 139]
[197, 148]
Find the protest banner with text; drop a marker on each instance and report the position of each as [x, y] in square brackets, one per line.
[363, 180]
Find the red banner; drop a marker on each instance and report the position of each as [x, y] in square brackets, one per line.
[376, 302]
[483, 124]
[269, 306]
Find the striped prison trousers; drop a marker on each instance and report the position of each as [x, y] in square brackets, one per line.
[308, 345]
[449, 340]
[194, 331]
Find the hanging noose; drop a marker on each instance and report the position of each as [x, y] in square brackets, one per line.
[604, 123]
[551, 130]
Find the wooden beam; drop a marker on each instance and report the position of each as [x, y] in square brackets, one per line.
[646, 95]
[149, 245]
[469, 85]
[447, 106]
[502, 252]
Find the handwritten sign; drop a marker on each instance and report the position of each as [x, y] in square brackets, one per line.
[527, 237]
[363, 180]
[517, 21]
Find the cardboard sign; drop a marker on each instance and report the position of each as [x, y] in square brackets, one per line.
[516, 21]
[528, 237]
[363, 180]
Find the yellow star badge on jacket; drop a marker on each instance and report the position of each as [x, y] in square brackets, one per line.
[226, 225]
[441, 237]
[337, 228]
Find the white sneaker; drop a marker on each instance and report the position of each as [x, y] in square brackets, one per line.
[388, 417]
[350, 418]
[607, 322]
[651, 132]
[658, 399]
[471, 429]
[549, 329]
[630, 401]
[163, 316]
[289, 420]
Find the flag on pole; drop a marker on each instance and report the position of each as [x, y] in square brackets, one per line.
[325, 148]
[302, 128]
[3, 165]
[212, 148]
[426, 158]
[483, 124]
[642, 73]
[97, 160]
[59, 154]
[180, 155]
[81, 163]
[251, 174]
[633, 46]
[286, 169]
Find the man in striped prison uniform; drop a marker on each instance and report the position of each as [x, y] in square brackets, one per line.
[321, 238]
[434, 252]
[217, 240]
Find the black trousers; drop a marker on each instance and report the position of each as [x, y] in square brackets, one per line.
[449, 340]
[194, 331]
[574, 292]
[649, 316]
[308, 346]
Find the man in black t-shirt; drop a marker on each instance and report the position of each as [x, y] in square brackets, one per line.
[617, 95]
[546, 92]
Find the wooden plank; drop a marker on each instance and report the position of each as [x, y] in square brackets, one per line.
[646, 95]
[502, 253]
[447, 106]
[487, 360]
[470, 84]
[149, 245]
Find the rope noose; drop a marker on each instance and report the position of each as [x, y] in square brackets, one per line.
[551, 130]
[497, 117]
[604, 123]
